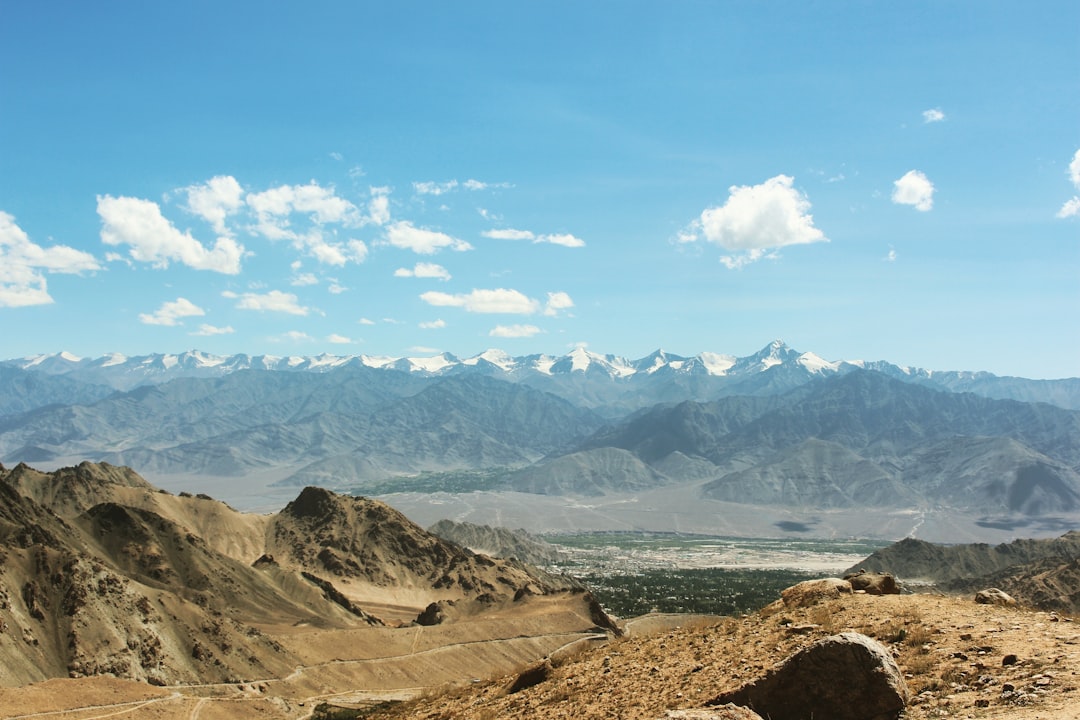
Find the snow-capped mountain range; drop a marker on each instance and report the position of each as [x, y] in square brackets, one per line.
[124, 372]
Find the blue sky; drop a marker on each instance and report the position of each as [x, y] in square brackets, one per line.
[869, 181]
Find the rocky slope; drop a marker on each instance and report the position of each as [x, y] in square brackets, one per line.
[958, 659]
[497, 541]
[103, 573]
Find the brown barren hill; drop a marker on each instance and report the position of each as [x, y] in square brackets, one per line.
[104, 576]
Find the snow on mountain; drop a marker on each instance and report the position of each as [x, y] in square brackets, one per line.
[581, 374]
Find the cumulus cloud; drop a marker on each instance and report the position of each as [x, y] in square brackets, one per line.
[23, 265]
[335, 288]
[557, 301]
[1071, 208]
[339, 339]
[514, 331]
[273, 301]
[304, 279]
[170, 313]
[151, 238]
[500, 300]
[914, 189]
[215, 200]
[209, 330]
[296, 336]
[933, 115]
[320, 203]
[433, 325]
[365, 321]
[423, 242]
[757, 220]
[424, 270]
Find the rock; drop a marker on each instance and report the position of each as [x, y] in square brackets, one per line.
[994, 596]
[843, 677]
[812, 592]
[873, 583]
[1009, 659]
[726, 712]
[432, 615]
[530, 676]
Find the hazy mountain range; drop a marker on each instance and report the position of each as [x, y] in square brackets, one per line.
[778, 428]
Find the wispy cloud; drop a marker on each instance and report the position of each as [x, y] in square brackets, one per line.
[339, 339]
[273, 301]
[564, 239]
[170, 313]
[756, 220]
[514, 331]
[424, 270]
[209, 330]
[933, 115]
[500, 300]
[406, 236]
[23, 265]
[914, 189]
[433, 325]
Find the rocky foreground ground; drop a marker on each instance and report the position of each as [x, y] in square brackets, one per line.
[958, 659]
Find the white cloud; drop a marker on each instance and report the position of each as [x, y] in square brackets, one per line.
[933, 115]
[564, 239]
[297, 336]
[509, 234]
[379, 205]
[153, 239]
[499, 300]
[215, 200]
[514, 331]
[321, 204]
[891, 257]
[424, 270]
[209, 330]
[339, 339]
[424, 242]
[434, 188]
[557, 301]
[365, 321]
[335, 288]
[273, 301]
[304, 279]
[433, 325]
[170, 313]
[915, 189]
[1071, 208]
[757, 220]
[23, 264]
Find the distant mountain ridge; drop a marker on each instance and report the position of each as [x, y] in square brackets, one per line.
[610, 384]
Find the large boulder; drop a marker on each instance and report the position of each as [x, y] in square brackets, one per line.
[873, 583]
[843, 677]
[994, 596]
[811, 592]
